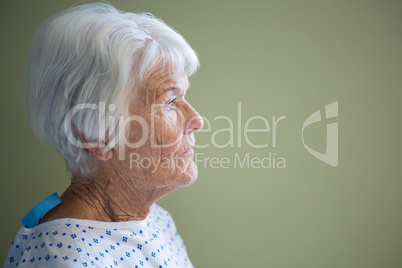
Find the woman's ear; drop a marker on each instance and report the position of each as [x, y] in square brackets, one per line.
[96, 151]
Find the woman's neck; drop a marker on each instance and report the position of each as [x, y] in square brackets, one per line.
[108, 196]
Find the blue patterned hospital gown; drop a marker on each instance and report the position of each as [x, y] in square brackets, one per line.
[153, 242]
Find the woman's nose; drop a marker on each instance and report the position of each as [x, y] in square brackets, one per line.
[193, 121]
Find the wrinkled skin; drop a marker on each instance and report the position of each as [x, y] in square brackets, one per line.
[119, 190]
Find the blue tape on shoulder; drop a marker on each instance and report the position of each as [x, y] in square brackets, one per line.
[33, 217]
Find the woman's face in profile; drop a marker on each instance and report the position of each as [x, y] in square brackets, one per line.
[166, 156]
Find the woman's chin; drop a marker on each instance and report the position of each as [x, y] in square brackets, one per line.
[191, 175]
[187, 176]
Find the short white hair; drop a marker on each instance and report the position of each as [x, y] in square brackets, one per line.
[95, 53]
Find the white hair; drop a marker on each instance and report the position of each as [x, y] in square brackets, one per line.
[90, 54]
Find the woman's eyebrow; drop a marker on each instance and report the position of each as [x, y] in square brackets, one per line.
[175, 89]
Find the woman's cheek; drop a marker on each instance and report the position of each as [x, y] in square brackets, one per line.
[168, 129]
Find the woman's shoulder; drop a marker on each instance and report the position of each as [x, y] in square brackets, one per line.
[46, 245]
[73, 242]
[68, 242]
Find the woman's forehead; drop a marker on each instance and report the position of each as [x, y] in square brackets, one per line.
[161, 82]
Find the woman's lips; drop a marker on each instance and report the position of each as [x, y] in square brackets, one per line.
[189, 152]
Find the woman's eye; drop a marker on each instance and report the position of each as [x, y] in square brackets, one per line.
[171, 103]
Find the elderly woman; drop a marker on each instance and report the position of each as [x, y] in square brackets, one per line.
[107, 90]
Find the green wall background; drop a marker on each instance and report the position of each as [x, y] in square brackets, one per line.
[277, 58]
